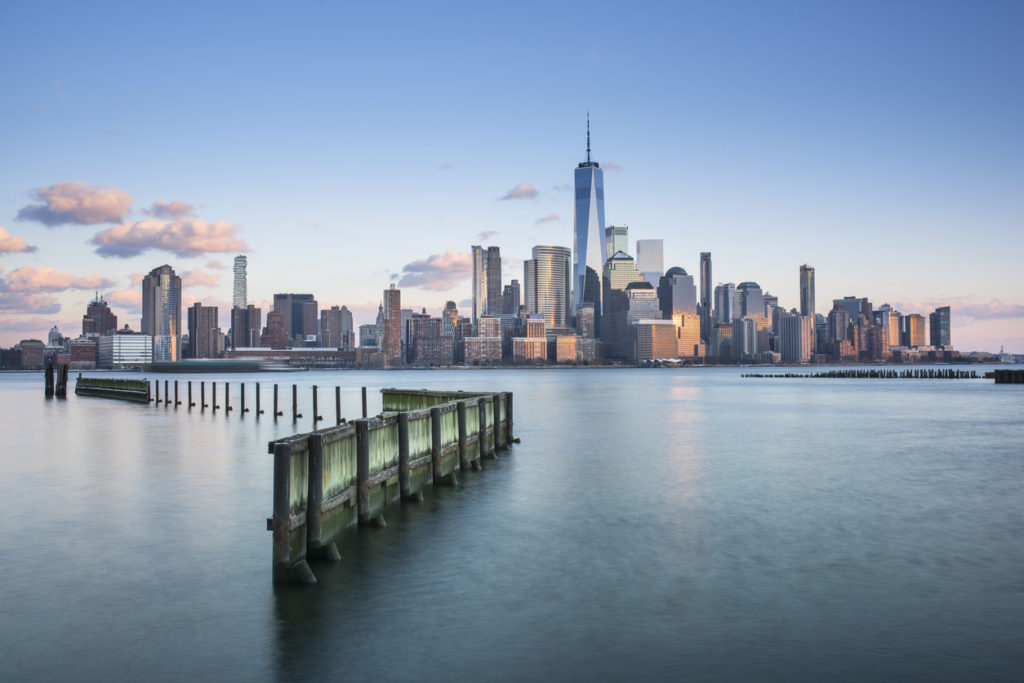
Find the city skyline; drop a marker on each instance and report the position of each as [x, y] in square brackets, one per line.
[876, 179]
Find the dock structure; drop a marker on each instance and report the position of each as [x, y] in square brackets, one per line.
[136, 390]
[1008, 376]
[337, 478]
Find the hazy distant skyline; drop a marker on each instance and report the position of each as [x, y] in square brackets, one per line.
[345, 148]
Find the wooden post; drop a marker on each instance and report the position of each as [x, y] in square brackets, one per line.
[498, 434]
[460, 408]
[213, 401]
[244, 410]
[48, 390]
[157, 385]
[227, 397]
[190, 403]
[435, 442]
[316, 413]
[403, 456]
[509, 439]
[285, 571]
[276, 411]
[258, 411]
[62, 382]
[482, 408]
[148, 396]
[167, 394]
[176, 401]
[363, 470]
[202, 396]
[315, 492]
[364, 402]
[295, 404]
[337, 405]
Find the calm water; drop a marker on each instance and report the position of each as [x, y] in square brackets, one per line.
[652, 524]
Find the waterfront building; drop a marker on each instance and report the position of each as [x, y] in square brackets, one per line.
[246, 324]
[913, 330]
[641, 304]
[891, 322]
[239, 291]
[677, 293]
[589, 239]
[807, 291]
[450, 319]
[336, 328]
[567, 348]
[82, 354]
[534, 346]
[619, 272]
[616, 238]
[203, 326]
[486, 281]
[299, 313]
[650, 260]
[124, 350]
[546, 279]
[687, 326]
[939, 328]
[856, 307]
[32, 354]
[98, 320]
[585, 321]
[161, 312]
[369, 335]
[796, 335]
[721, 342]
[275, 334]
[494, 297]
[705, 297]
[392, 346]
[427, 345]
[723, 310]
[744, 339]
[655, 340]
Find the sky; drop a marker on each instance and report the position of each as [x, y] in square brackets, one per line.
[344, 147]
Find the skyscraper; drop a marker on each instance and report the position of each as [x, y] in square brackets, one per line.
[246, 324]
[299, 320]
[677, 294]
[616, 238]
[807, 291]
[650, 260]
[619, 272]
[203, 327]
[479, 282]
[938, 323]
[392, 326]
[724, 294]
[705, 296]
[546, 278]
[589, 239]
[98, 319]
[511, 298]
[238, 293]
[494, 300]
[161, 313]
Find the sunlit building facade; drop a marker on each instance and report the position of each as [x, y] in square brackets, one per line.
[546, 280]
[161, 313]
[589, 250]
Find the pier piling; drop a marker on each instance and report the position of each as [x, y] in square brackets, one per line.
[258, 411]
[364, 403]
[227, 398]
[337, 405]
[156, 383]
[190, 403]
[202, 397]
[167, 394]
[214, 399]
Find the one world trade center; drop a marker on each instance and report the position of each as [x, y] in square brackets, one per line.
[588, 248]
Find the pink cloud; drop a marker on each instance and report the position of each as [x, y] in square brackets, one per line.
[190, 237]
[130, 299]
[437, 272]
[78, 203]
[9, 244]
[550, 218]
[27, 302]
[611, 166]
[170, 210]
[521, 191]
[136, 278]
[198, 278]
[216, 265]
[223, 307]
[42, 279]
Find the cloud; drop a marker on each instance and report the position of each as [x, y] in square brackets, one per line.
[445, 167]
[216, 265]
[37, 279]
[130, 299]
[486, 235]
[437, 272]
[185, 238]
[9, 244]
[198, 278]
[171, 211]
[521, 191]
[992, 309]
[550, 218]
[78, 203]
[465, 304]
[136, 278]
[27, 302]
[35, 324]
[564, 187]
[611, 166]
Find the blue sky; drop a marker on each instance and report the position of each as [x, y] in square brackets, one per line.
[881, 143]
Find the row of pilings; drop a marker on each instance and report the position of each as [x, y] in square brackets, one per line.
[878, 373]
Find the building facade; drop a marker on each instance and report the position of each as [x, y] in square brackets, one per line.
[161, 313]
[546, 279]
[589, 238]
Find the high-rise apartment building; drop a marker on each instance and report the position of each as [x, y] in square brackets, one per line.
[246, 324]
[203, 328]
[450, 319]
[650, 260]
[913, 330]
[616, 238]
[336, 328]
[589, 243]
[705, 297]
[161, 313]
[238, 292]
[511, 298]
[796, 338]
[98, 319]
[494, 298]
[546, 280]
[807, 291]
[392, 326]
[300, 320]
[939, 326]
[479, 282]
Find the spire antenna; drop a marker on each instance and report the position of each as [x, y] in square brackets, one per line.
[588, 137]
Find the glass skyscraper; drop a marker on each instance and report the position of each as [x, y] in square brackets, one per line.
[546, 279]
[161, 312]
[588, 248]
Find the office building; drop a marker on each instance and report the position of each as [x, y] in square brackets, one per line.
[796, 335]
[239, 290]
[275, 334]
[392, 347]
[807, 291]
[203, 327]
[300, 313]
[336, 330]
[533, 348]
[677, 293]
[655, 340]
[752, 304]
[724, 296]
[511, 297]
[856, 307]
[246, 324]
[161, 313]
[494, 292]
[486, 281]
[705, 297]
[913, 330]
[98, 320]
[589, 250]
[650, 260]
[890, 321]
[616, 238]
[744, 339]
[118, 351]
[939, 328]
[619, 272]
[450, 319]
[546, 285]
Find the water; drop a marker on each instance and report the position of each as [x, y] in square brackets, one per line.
[652, 524]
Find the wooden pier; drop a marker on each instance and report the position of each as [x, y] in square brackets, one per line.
[337, 478]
